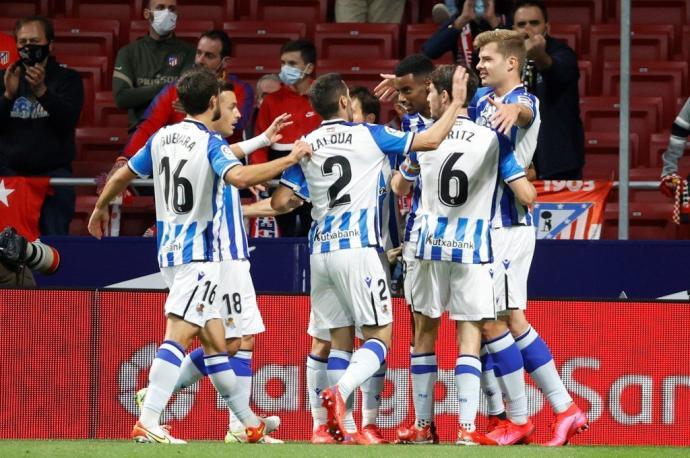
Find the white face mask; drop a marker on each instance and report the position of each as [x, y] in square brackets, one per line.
[164, 21]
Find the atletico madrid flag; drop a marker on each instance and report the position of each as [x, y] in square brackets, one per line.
[570, 209]
[20, 204]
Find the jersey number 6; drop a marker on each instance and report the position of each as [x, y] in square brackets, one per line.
[182, 194]
[455, 180]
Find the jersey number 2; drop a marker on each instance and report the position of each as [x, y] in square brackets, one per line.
[342, 181]
[452, 180]
[182, 194]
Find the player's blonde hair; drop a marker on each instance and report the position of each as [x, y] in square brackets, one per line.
[508, 42]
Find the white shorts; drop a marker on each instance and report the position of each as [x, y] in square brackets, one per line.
[464, 290]
[348, 288]
[513, 249]
[193, 292]
[325, 334]
[241, 315]
[410, 268]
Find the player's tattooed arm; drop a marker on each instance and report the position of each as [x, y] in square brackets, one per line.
[524, 191]
[285, 200]
[264, 208]
[243, 176]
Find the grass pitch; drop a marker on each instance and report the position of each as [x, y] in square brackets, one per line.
[108, 449]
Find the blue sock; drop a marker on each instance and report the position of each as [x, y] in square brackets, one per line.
[510, 374]
[489, 384]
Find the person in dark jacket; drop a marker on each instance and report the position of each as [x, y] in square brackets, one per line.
[552, 74]
[39, 109]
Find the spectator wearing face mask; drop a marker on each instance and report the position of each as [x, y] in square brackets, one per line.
[298, 60]
[144, 67]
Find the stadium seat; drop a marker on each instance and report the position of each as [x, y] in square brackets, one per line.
[685, 44]
[106, 113]
[17, 9]
[83, 207]
[416, 35]
[204, 10]
[357, 41]
[250, 69]
[87, 37]
[571, 34]
[367, 74]
[137, 215]
[102, 144]
[648, 42]
[94, 77]
[602, 153]
[89, 169]
[123, 11]
[657, 146]
[667, 80]
[601, 114]
[585, 82]
[583, 12]
[188, 30]
[310, 12]
[264, 39]
[675, 13]
[648, 221]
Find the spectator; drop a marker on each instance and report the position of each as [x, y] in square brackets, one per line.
[267, 84]
[39, 111]
[144, 67]
[298, 60]
[377, 11]
[551, 73]
[457, 33]
[212, 52]
[676, 146]
[8, 51]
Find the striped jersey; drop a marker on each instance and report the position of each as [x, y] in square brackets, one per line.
[344, 180]
[414, 123]
[509, 212]
[187, 163]
[460, 180]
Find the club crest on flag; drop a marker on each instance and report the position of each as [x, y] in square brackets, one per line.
[4, 57]
[553, 218]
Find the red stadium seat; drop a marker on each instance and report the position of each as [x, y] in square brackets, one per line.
[416, 35]
[94, 77]
[685, 44]
[106, 113]
[648, 42]
[204, 10]
[17, 9]
[365, 74]
[583, 12]
[663, 79]
[310, 12]
[89, 169]
[188, 30]
[87, 37]
[657, 146]
[83, 207]
[601, 114]
[100, 143]
[602, 152]
[264, 39]
[571, 34]
[357, 41]
[251, 69]
[123, 11]
[648, 221]
[675, 13]
[137, 215]
[585, 82]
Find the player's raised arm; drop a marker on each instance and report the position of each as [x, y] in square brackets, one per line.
[431, 138]
[114, 187]
[264, 140]
[243, 176]
[508, 115]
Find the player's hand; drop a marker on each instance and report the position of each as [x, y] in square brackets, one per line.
[393, 254]
[119, 163]
[177, 106]
[36, 77]
[466, 15]
[300, 150]
[668, 185]
[276, 126]
[11, 80]
[460, 85]
[535, 45]
[257, 189]
[385, 91]
[505, 117]
[531, 172]
[98, 222]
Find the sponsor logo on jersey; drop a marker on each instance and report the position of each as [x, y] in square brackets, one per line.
[448, 243]
[309, 114]
[335, 235]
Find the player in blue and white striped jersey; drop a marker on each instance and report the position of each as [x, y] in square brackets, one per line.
[508, 108]
[190, 165]
[454, 245]
[343, 182]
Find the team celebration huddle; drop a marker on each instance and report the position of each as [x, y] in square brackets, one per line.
[463, 154]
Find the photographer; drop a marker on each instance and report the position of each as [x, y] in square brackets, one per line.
[39, 109]
[18, 258]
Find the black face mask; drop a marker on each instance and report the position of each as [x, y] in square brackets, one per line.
[33, 54]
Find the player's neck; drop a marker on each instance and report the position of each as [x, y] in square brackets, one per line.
[507, 85]
[204, 118]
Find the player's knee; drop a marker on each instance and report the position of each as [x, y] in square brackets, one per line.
[382, 333]
[518, 323]
[320, 348]
[233, 345]
[493, 328]
[247, 343]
